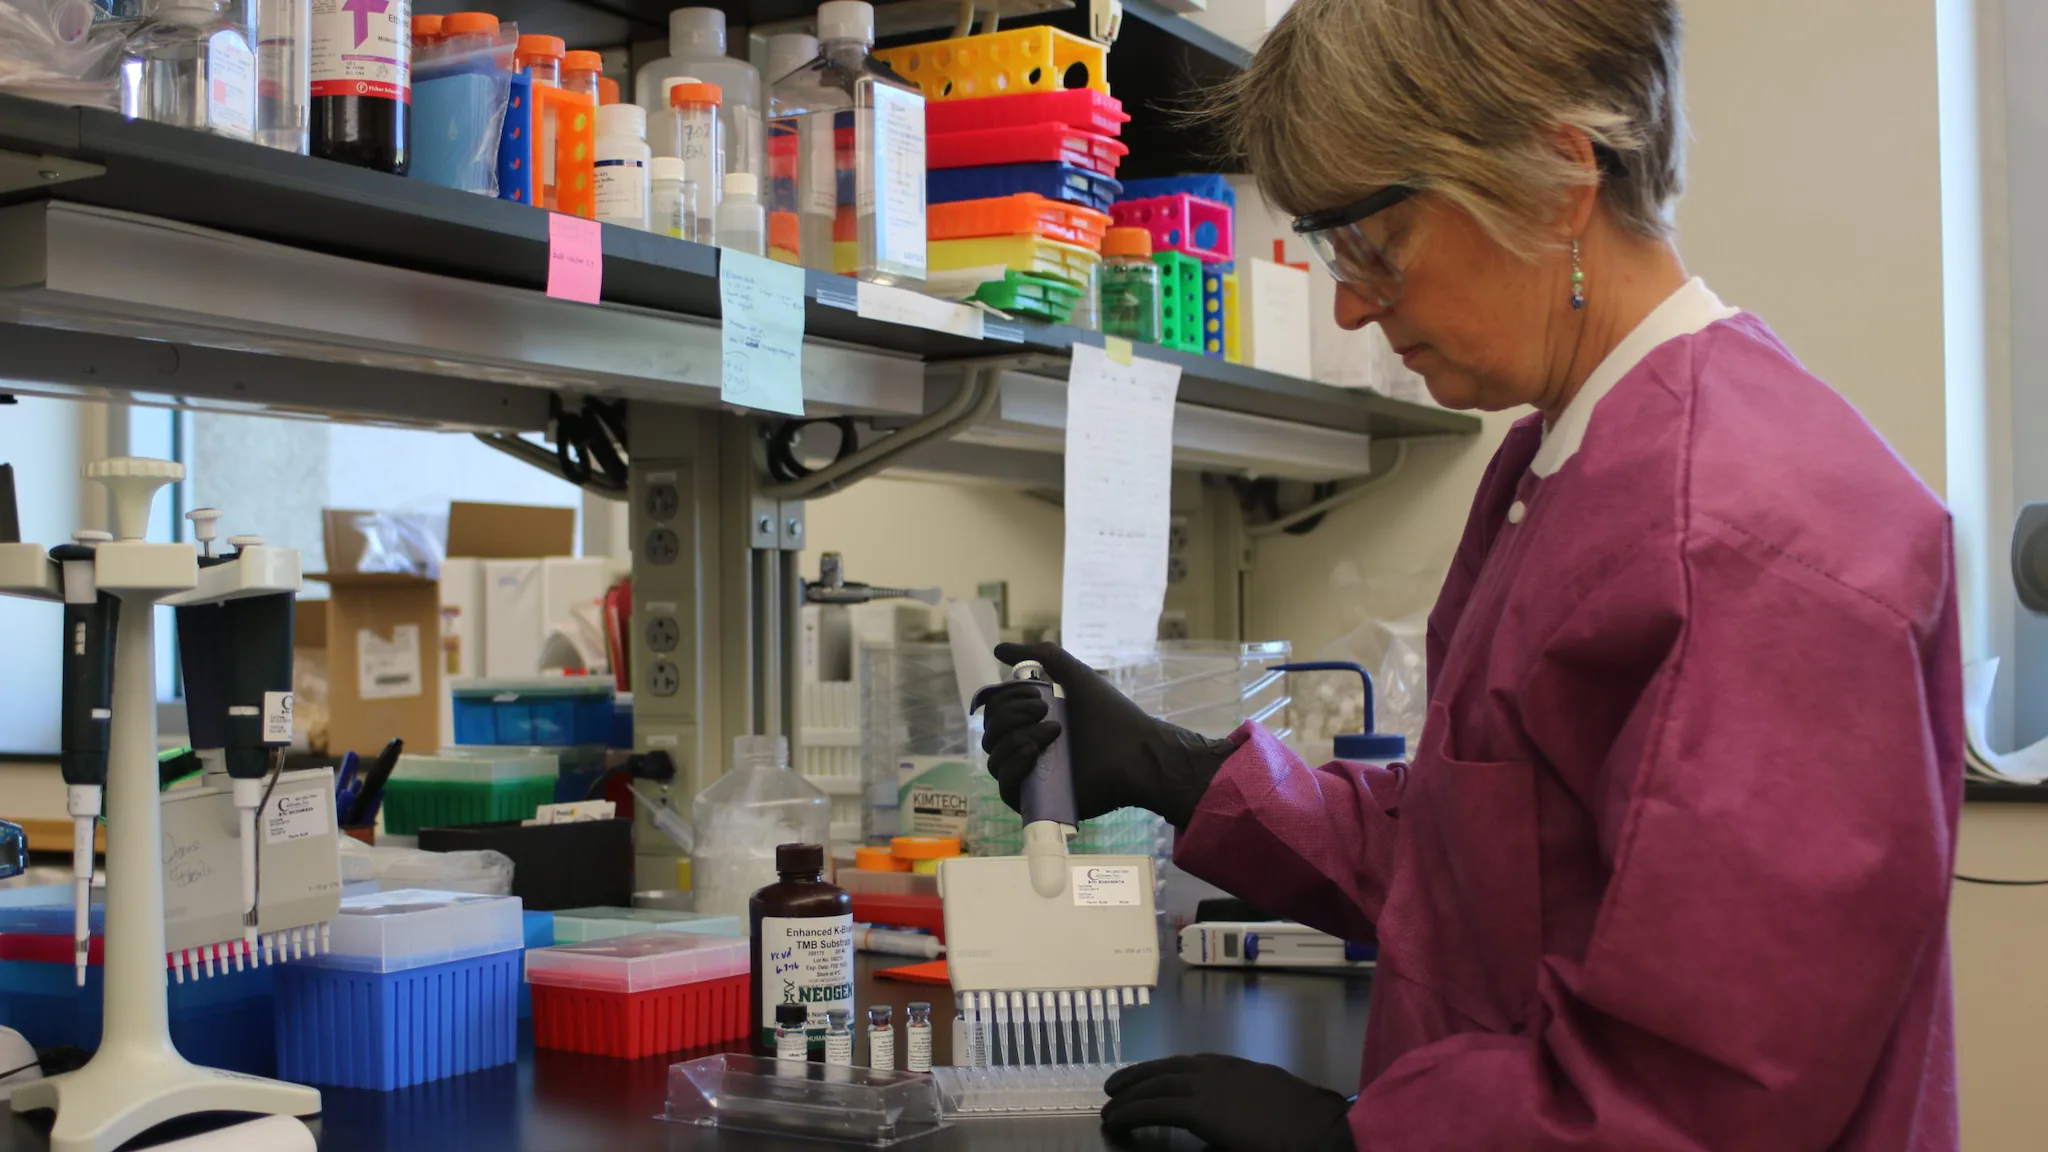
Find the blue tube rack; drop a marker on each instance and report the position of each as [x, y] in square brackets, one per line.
[1054, 181]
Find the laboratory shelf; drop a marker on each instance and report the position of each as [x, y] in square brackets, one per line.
[176, 267]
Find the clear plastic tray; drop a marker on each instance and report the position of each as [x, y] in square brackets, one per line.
[413, 927]
[639, 963]
[803, 1099]
[479, 765]
[578, 925]
[1022, 1090]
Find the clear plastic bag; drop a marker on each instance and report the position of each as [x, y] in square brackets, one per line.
[52, 50]
[485, 873]
[409, 543]
[461, 90]
[1389, 612]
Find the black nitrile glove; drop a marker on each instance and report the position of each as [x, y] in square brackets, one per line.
[1120, 756]
[1228, 1102]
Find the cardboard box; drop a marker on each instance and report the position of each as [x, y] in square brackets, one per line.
[388, 648]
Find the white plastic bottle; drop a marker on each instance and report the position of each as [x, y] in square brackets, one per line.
[742, 219]
[621, 162]
[697, 47]
[671, 199]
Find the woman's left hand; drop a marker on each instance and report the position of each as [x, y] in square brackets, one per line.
[1229, 1102]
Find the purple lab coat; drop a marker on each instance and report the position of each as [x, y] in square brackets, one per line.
[1670, 869]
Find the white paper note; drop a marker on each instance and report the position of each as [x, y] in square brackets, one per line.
[762, 351]
[902, 306]
[1119, 478]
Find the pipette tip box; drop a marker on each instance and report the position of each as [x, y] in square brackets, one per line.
[634, 996]
[802, 1099]
[1013, 1090]
[581, 925]
[556, 712]
[458, 786]
[420, 985]
[222, 1021]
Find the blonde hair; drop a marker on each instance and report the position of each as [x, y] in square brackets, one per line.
[1462, 98]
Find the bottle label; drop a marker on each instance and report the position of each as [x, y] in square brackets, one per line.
[230, 86]
[792, 1044]
[621, 191]
[882, 1049]
[917, 1038]
[362, 48]
[806, 960]
[839, 1048]
[897, 153]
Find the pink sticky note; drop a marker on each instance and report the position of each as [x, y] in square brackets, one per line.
[575, 258]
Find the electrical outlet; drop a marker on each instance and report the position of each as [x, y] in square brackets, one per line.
[662, 546]
[661, 501]
[662, 679]
[1176, 569]
[1177, 535]
[663, 634]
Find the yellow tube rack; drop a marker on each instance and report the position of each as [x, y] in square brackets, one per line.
[1000, 63]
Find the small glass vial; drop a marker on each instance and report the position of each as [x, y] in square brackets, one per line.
[881, 1039]
[917, 1037]
[671, 199]
[284, 94]
[742, 221]
[694, 121]
[621, 165]
[839, 1037]
[792, 1037]
[191, 66]
[1131, 304]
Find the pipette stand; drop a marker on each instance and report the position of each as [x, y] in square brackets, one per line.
[136, 1080]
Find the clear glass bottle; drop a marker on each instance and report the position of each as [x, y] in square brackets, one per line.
[875, 171]
[881, 1039]
[284, 96]
[1131, 303]
[839, 1037]
[917, 1037]
[792, 1032]
[191, 66]
[697, 48]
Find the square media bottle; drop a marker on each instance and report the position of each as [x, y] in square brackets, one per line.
[860, 144]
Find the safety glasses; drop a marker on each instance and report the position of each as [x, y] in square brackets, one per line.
[1352, 244]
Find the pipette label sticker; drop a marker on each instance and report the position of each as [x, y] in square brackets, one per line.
[298, 816]
[806, 960]
[1107, 886]
[575, 258]
[277, 717]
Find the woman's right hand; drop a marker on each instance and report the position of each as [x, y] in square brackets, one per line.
[1120, 756]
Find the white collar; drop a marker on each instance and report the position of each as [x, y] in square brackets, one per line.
[1686, 311]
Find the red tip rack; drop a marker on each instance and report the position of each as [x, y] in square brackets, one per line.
[1180, 223]
[1082, 108]
[1025, 144]
[1023, 214]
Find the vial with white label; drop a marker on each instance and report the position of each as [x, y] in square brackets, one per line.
[621, 165]
[839, 1037]
[881, 1039]
[917, 1037]
[792, 1036]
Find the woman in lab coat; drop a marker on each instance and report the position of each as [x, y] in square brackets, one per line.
[1670, 867]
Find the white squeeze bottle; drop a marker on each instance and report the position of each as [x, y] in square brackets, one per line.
[621, 165]
[883, 182]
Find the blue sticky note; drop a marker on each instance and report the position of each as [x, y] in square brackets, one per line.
[763, 303]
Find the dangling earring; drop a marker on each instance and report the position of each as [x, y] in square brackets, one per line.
[1578, 279]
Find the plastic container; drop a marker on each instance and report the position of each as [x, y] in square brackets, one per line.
[671, 199]
[1027, 144]
[1180, 301]
[924, 852]
[1025, 213]
[454, 787]
[192, 67]
[578, 925]
[539, 928]
[1036, 59]
[426, 32]
[553, 713]
[284, 41]
[1022, 1090]
[581, 73]
[1089, 109]
[876, 168]
[802, 947]
[1068, 262]
[1054, 181]
[621, 167]
[803, 1101]
[895, 882]
[637, 996]
[461, 97]
[742, 219]
[607, 91]
[875, 860]
[1181, 223]
[419, 986]
[1209, 186]
[1130, 290]
[739, 820]
[539, 58]
[361, 84]
[694, 135]
[1027, 294]
[698, 48]
[223, 1021]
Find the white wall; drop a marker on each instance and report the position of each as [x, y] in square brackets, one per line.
[43, 439]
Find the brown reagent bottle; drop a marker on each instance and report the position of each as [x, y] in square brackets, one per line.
[803, 944]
